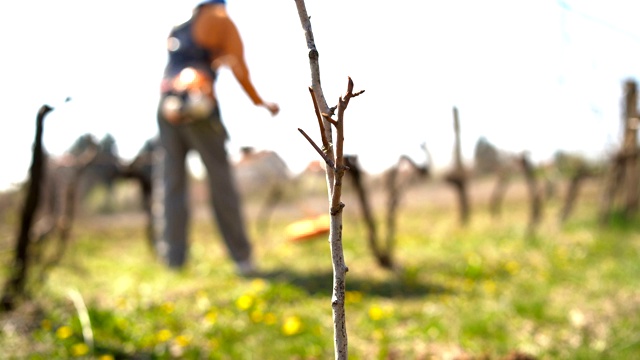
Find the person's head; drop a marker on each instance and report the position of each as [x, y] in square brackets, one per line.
[207, 2]
[202, 3]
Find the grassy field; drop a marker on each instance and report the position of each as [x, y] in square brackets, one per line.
[484, 291]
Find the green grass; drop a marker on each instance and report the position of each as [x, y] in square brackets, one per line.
[488, 289]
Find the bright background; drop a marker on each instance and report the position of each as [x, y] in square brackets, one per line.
[539, 75]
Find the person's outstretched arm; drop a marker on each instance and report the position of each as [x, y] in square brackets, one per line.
[217, 32]
[234, 58]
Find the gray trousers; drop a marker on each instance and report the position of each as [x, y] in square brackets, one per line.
[171, 210]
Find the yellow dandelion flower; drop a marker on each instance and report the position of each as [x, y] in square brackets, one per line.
[244, 302]
[353, 297]
[79, 349]
[183, 340]
[270, 318]
[257, 316]
[376, 313]
[64, 332]
[211, 317]
[512, 267]
[163, 335]
[292, 326]
[468, 285]
[378, 334]
[106, 357]
[562, 253]
[45, 324]
[168, 307]
[121, 303]
[258, 285]
[490, 286]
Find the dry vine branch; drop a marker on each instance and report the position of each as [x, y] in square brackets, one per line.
[621, 183]
[382, 255]
[62, 218]
[14, 288]
[581, 173]
[534, 194]
[458, 176]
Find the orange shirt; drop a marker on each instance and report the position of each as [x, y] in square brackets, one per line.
[216, 32]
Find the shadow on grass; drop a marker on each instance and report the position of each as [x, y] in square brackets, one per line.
[405, 285]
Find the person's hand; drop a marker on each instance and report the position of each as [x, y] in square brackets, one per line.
[273, 108]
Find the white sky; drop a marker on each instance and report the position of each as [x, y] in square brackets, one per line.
[538, 75]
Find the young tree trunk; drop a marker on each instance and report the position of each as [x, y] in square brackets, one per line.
[336, 168]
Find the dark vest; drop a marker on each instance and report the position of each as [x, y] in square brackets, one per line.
[184, 52]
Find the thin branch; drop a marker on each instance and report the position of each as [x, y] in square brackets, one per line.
[342, 106]
[329, 162]
[325, 142]
[330, 120]
[343, 102]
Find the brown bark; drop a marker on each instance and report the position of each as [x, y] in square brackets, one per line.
[382, 255]
[630, 148]
[572, 192]
[534, 193]
[458, 177]
[613, 178]
[14, 288]
[499, 189]
[623, 177]
[63, 220]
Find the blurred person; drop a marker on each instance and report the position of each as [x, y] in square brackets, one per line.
[189, 119]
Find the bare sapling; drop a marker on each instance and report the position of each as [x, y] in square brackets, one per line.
[458, 176]
[332, 154]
